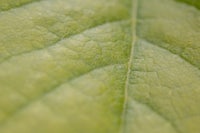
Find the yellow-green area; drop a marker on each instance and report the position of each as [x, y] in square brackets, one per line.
[9, 4]
[99, 66]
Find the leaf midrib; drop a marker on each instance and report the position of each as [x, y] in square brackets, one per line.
[135, 36]
[134, 16]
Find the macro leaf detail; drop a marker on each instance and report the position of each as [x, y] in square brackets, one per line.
[99, 66]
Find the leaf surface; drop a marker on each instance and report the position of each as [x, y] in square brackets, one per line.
[117, 66]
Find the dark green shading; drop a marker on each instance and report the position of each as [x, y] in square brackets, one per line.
[195, 3]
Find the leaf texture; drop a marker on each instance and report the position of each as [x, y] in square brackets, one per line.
[117, 66]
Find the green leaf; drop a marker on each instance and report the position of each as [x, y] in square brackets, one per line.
[99, 66]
